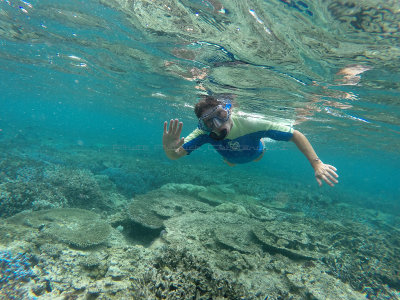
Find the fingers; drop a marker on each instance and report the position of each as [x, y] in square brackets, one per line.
[179, 130]
[175, 127]
[331, 171]
[331, 167]
[327, 174]
[328, 178]
[331, 175]
[325, 178]
[171, 123]
[165, 127]
[331, 178]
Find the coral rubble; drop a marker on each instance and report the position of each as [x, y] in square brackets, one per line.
[234, 250]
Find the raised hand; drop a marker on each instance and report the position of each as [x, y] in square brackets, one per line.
[171, 138]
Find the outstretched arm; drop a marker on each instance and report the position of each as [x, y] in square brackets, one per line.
[172, 142]
[322, 171]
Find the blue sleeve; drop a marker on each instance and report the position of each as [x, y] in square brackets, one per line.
[195, 140]
[278, 135]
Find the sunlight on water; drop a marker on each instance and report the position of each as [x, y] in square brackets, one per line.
[321, 64]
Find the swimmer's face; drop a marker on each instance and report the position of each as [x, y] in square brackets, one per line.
[225, 126]
[218, 119]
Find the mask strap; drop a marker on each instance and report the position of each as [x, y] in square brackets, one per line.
[226, 102]
[210, 113]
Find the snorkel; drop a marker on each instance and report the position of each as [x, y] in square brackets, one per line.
[219, 137]
[215, 119]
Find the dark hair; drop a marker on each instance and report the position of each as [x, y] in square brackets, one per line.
[207, 102]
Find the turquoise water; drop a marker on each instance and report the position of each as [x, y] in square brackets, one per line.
[85, 89]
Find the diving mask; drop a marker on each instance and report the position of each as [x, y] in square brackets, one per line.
[215, 118]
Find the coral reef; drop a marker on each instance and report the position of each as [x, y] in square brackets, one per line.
[239, 239]
[152, 209]
[15, 269]
[131, 183]
[234, 250]
[76, 227]
[54, 187]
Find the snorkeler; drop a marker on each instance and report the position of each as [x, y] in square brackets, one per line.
[238, 139]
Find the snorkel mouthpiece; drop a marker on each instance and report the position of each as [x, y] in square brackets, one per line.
[218, 137]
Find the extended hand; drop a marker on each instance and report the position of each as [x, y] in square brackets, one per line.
[326, 173]
[171, 138]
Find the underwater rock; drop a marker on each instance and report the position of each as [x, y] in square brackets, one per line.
[11, 232]
[228, 227]
[79, 187]
[217, 194]
[15, 271]
[213, 230]
[363, 255]
[80, 234]
[232, 208]
[181, 275]
[96, 264]
[93, 260]
[224, 193]
[76, 227]
[183, 188]
[275, 245]
[237, 236]
[52, 250]
[55, 187]
[264, 214]
[131, 182]
[19, 195]
[319, 285]
[297, 239]
[152, 209]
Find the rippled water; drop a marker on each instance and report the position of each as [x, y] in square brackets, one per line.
[329, 66]
[288, 59]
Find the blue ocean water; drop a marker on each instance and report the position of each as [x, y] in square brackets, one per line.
[88, 85]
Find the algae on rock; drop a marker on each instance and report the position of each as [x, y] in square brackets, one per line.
[76, 227]
[153, 208]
